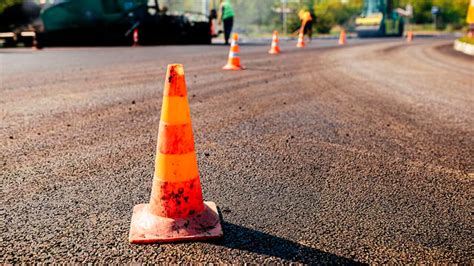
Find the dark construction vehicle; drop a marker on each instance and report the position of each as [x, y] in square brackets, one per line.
[17, 23]
[112, 22]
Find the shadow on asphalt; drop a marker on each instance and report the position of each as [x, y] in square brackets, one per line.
[238, 237]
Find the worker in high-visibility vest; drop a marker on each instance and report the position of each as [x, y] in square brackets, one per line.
[226, 16]
[470, 19]
[306, 22]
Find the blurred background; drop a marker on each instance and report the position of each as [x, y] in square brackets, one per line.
[111, 22]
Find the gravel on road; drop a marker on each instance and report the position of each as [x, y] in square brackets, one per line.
[327, 154]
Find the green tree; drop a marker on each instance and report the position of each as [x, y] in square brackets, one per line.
[6, 3]
[451, 11]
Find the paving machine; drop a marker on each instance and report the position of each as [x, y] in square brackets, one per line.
[379, 18]
[112, 22]
[17, 23]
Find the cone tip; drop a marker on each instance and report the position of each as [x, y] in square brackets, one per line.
[176, 68]
[235, 36]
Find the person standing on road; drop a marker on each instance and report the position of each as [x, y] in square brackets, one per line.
[226, 16]
[306, 22]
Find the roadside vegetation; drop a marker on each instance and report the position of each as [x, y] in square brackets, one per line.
[6, 3]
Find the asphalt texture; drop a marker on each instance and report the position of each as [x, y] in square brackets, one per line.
[323, 155]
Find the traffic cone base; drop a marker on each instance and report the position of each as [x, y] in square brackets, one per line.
[149, 228]
[274, 51]
[229, 66]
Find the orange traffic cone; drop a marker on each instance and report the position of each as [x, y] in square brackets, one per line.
[275, 49]
[410, 36]
[213, 29]
[233, 63]
[300, 43]
[342, 38]
[34, 45]
[135, 37]
[176, 210]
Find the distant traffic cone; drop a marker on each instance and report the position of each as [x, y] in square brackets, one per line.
[176, 211]
[34, 45]
[233, 63]
[342, 38]
[300, 43]
[275, 49]
[213, 29]
[409, 36]
[135, 37]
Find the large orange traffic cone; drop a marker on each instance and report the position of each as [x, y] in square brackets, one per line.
[409, 36]
[342, 38]
[300, 43]
[275, 49]
[135, 37]
[233, 63]
[176, 210]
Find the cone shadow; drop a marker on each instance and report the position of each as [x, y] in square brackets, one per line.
[242, 238]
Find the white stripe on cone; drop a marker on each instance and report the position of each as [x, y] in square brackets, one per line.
[234, 54]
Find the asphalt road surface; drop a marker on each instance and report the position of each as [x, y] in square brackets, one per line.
[327, 154]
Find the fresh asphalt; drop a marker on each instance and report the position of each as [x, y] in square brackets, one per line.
[322, 155]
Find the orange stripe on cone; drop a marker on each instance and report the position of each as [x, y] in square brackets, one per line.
[275, 49]
[176, 210]
[175, 139]
[233, 62]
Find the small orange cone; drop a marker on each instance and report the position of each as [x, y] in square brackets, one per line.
[213, 29]
[135, 37]
[410, 36]
[34, 45]
[233, 63]
[300, 43]
[176, 211]
[342, 38]
[275, 49]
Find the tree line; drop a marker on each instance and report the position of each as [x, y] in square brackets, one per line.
[260, 15]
